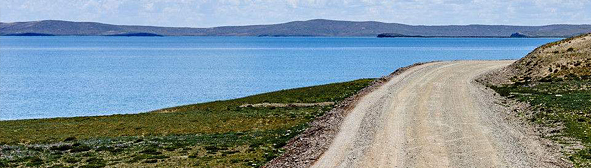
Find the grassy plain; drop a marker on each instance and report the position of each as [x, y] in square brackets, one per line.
[214, 134]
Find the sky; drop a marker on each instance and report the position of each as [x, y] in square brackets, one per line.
[211, 13]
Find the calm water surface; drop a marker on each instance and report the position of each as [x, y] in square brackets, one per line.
[43, 77]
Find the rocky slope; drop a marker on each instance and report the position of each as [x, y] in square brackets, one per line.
[566, 59]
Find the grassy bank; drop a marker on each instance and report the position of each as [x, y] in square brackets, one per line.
[565, 106]
[214, 134]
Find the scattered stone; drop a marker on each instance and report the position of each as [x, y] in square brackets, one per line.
[288, 104]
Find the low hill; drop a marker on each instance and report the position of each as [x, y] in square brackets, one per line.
[386, 35]
[568, 58]
[317, 27]
[136, 34]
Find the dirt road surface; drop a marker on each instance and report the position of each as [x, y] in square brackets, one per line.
[434, 115]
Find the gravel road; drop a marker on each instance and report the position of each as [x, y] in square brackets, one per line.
[435, 115]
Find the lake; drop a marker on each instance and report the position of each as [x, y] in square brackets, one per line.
[65, 76]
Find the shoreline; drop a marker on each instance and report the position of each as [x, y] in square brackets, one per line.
[167, 108]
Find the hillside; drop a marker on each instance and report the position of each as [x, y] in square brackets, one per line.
[569, 58]
[554, 84]
[317, 27]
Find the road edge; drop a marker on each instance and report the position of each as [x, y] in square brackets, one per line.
[511, 112]
[304, 149]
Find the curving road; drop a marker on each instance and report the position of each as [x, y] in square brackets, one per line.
[434, 115]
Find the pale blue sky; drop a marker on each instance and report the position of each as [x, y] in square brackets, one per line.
[209, 13]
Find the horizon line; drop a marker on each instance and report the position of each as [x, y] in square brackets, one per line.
[556, 24]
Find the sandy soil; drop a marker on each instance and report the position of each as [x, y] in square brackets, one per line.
[435, 115]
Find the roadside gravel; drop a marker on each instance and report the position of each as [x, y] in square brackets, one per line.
[306, 148]
[436, 115]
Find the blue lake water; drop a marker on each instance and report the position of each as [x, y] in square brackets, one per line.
[43, 77]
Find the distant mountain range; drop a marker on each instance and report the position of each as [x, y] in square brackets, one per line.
[317, 27]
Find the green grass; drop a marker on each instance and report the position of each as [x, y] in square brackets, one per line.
[559, 103]
[214, 134]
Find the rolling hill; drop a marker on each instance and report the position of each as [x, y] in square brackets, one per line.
[317, 27]
[566, 59]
